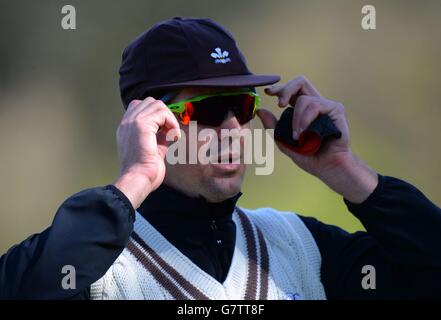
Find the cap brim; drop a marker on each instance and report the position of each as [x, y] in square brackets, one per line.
[226, 81]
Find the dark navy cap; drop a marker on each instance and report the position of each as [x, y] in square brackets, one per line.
[183, 52]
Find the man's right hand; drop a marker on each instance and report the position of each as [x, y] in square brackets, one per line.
[142, 147]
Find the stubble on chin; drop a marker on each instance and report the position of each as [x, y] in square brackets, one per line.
[220, 188]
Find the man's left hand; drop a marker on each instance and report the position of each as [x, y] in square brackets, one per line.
[334, 163]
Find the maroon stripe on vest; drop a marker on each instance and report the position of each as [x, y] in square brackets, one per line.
[264, 266]
[251, 289]
[156, 272]
[184, 283]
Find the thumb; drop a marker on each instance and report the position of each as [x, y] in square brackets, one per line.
[268, 119]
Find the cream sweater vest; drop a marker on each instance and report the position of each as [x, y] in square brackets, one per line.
[275, 257]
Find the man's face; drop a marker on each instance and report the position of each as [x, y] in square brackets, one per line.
[214, 181]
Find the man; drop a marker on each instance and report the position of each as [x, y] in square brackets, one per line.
[187, 239]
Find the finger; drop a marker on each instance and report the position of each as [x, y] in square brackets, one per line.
[267, 118]
[161, 117]
[146, 104]
[150, 107]
[132, 105]
[166, 136]
[300, 105]
[159, 105]
[135, 103]
[308, 112]
[295, 88]
[306, 87]
[274, 89]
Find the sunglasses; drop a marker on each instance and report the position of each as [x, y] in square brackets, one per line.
[212, 110]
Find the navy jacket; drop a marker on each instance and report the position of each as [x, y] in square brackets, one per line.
[92, 227]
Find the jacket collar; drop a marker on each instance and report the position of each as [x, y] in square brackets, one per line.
[167, 206]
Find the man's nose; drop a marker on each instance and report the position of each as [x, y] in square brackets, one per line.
[230, 122]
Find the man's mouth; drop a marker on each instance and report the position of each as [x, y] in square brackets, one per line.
[230, 158]
[227, 163]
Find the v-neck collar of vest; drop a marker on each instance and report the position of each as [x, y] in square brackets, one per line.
[247, 277]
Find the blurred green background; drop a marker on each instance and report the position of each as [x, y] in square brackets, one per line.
[60, 105]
